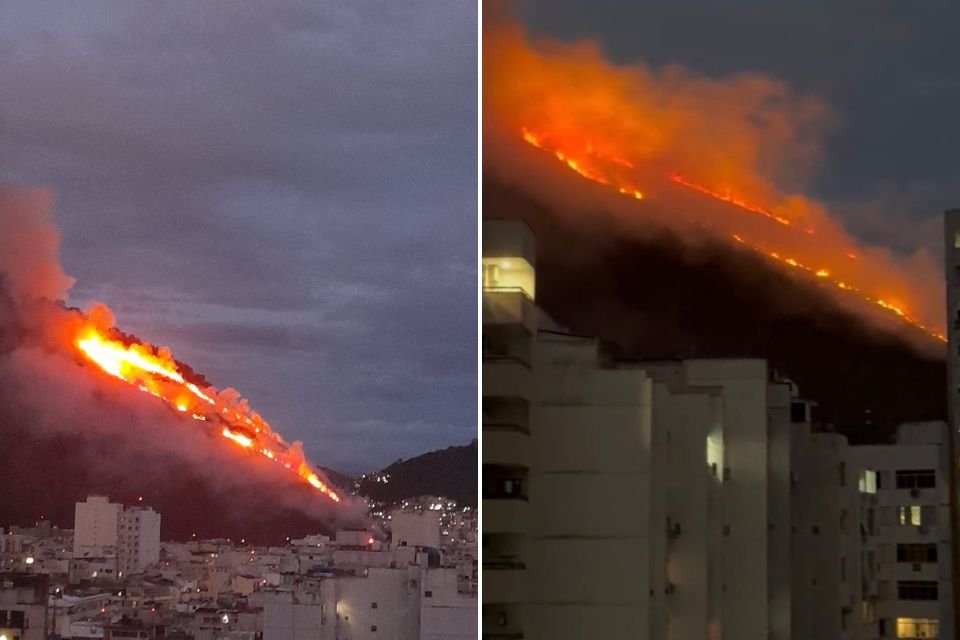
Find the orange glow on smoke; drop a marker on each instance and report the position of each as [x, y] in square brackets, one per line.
[699, 155]
[154, 371]
[588, 157]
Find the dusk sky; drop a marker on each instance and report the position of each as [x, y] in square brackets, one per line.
[889, 70]
[284, 196]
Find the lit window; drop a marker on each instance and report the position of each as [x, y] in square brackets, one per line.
[910, 515]
[868, 481]
[918, 628]
[509, 275]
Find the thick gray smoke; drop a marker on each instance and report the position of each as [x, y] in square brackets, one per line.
[48, 393]
[30, 244]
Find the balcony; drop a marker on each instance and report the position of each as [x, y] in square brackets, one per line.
[509, 306]
[505, 516]
[504, 586]
[506, 377]
[505, 445]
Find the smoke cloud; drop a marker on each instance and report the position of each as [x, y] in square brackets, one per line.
[714, 158]
[120, 438]
[30, 245]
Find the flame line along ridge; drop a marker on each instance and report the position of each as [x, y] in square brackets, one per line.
[153, 372]
[581, 166]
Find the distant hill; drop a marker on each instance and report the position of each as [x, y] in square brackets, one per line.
[450, 472]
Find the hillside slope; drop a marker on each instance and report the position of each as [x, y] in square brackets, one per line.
[652, 297]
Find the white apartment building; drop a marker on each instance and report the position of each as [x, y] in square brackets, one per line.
[23, 606]
[904, 516]
[138, 539]
[509, 336]
[402, 603]
[95, 527]
[414, 529]
[686, 499]
[448, 610]
[128, 538]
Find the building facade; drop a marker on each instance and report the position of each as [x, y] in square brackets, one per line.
[690, 498]
[509, 336]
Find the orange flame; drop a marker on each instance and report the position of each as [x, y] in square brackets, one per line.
[822, 273]
[156, 373]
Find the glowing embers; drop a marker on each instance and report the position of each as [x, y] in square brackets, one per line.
[155, 372]
[729, 197]
[239, 438]
[824, 274]
[607, 169]
[585, 163]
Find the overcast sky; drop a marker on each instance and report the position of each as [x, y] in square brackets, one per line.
[889, 69]
[285, 196]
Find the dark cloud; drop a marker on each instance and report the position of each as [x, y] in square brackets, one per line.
[890, 71]
[284, 195]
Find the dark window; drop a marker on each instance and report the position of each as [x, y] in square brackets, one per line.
[916, 479]
[917, 590]
[815, 530]
[798, 412]
[882, 627]
[917, 553]
[373, 628]
[373, 605]
[16, 619]
[428, 594]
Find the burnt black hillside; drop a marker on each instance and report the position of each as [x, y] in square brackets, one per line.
[652, 297]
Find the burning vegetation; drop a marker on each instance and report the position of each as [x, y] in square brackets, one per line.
[155, 372]
[689, 153]
[104, 410]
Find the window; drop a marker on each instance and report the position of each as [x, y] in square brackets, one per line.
[798, 411]
[868, 611]
[428, 594]
[373, 627]
[916, 479]
[502, 482]
[918, 628]
[506, 275]
[868, 481]
[373, 605]
[909, 515]
[917, 590]
[913, 553]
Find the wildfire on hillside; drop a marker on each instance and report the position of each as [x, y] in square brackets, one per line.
[588, 164]
[154, 371]
[692, 153]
